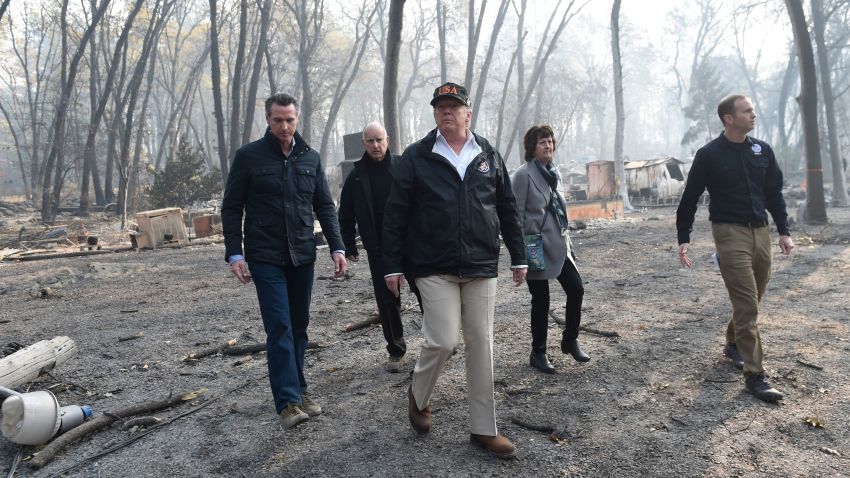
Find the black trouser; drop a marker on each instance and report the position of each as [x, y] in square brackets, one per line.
[389, 306]
[571, 282]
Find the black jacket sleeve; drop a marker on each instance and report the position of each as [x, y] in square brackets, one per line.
[347, 217]
[396, 212]
[694, 188]
[773, 200]
[233, 206]
[323, 205]
[509, 222]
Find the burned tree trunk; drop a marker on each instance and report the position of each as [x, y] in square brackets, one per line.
[215, 75]
[839, 186]
[619, 132]
[815, 209]
[391, 73]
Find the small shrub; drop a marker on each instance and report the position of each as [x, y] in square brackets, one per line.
[184, 180]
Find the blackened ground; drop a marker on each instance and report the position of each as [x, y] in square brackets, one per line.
[660, 400]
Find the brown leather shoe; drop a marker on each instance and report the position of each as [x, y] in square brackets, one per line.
[498, 445]
[420, 420]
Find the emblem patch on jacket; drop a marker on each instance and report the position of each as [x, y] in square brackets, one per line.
[483, 166]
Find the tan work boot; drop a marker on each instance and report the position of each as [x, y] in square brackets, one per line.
[420, 420]
[395, 364]
[310, 407]
[498, 446]
[291, 416]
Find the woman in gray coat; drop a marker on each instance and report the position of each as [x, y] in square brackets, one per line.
[536, 185]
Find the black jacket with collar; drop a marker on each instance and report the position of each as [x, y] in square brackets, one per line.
[356, 211]
[278, 196]
[446, 225]
[743, 180]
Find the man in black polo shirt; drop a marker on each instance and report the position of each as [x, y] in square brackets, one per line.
[743, 180]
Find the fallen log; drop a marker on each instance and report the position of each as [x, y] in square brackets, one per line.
[209, 351]
[810, 365]
[556, 434]
[228, 348]
[604, 333]
[61, 255]
[244, 349]
[362, 324]
[27, 364]
[47, 453]
[135, 336]
[140, 422]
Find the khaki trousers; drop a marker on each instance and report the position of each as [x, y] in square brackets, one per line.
[452, 304]
[745, 255]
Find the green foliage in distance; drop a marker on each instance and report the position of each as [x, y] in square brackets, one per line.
[184, 180]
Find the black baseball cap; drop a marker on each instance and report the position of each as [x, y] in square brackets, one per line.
[451, 90]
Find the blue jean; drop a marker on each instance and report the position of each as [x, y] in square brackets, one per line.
[284, 294]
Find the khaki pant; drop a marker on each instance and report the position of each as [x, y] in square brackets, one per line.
[745, 255]
[452, 304]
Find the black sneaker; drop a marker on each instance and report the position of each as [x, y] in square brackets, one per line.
[761, 389]
[731, 351]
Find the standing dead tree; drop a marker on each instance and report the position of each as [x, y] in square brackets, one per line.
[391, 73]
[543, 53]
[50, 192]
[310, 18]
[815, 207]
[488, 58]
[505, 86]
[89, 156]
[37, 72]
[442, 18]
[158, 17]
[839, 185]
[215, 74]
[347, 73]
[788, 80]
[256, 70]
[422, 27]
[3, 7]
[619, 131]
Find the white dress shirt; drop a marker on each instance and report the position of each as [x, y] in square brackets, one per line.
[470, 150]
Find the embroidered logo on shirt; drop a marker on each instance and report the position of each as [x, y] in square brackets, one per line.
[757, 149]
[483, 167]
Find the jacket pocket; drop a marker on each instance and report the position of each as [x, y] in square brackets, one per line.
[267, 180]
[305, 179]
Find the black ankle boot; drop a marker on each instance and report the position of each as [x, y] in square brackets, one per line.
[570, 347]
[540, 361]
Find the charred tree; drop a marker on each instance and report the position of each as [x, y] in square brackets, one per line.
[391, 73]
[839, 186]
[488, 58]
[50, 194]
[99, 107]
[236, 83]
[441, 35]
[347, 75]
[815, 207]
[215, 73]
[256, 70]
[619, 132]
